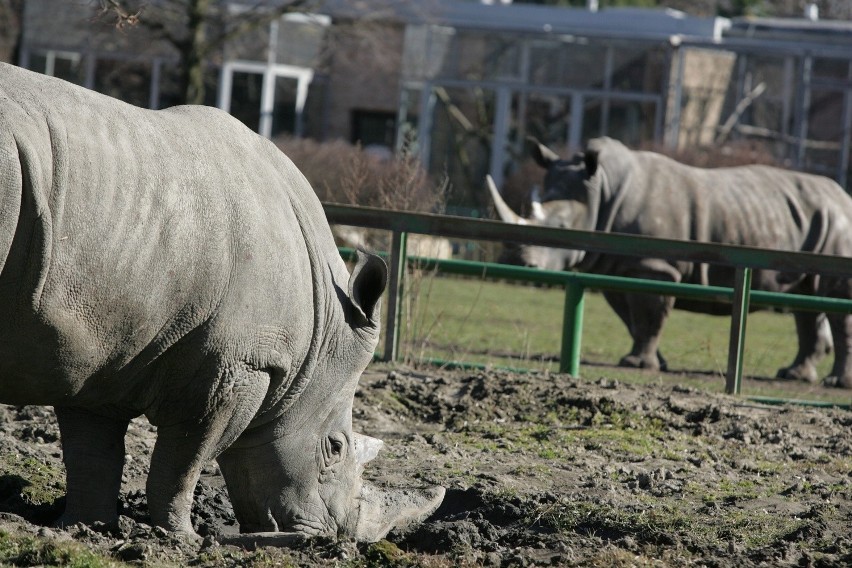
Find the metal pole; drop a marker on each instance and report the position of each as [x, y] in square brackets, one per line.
[672, 134]
[500, 133]
[804, 109]
[843, 165]
[572, 328]
[575, 127]
[742, 293]
[607, 87]
[154, 91]
[395, 293]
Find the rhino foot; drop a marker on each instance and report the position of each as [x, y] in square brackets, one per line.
[833, 381]
[637, 362]
[383, 510]
[806, 373]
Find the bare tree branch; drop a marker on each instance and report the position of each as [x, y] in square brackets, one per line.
[124, 17]
[255, 17]
[746, 102]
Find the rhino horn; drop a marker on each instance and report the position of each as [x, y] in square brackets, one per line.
[504, 211]
[366, 448]
[385, 509]
[535, 203]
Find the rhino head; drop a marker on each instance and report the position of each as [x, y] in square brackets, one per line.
[570, 200]
[301, 473]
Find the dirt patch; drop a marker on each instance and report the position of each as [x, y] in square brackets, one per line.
[540, 470]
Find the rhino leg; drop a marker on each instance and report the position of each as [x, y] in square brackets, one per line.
[184, 446]
[179, 454]
[644, 316]
[93, 452]
[815, 341]
[841, 372]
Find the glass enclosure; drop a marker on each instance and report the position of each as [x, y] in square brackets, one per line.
[481, 95]
[796, 104]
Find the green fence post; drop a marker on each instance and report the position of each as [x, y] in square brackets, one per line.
[572, 328]
[736, 343]
[399, 241]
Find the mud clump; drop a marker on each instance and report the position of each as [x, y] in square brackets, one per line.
[540, 470]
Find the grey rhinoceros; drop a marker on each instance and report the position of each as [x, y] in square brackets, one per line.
[611, 188]
[176, 265]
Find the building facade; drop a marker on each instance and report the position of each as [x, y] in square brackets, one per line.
[464, 84]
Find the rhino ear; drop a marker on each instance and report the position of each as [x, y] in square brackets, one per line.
[366, 285]
[590, 158]
[543, 156]
[382, 510]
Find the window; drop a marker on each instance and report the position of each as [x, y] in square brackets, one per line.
[373, 128]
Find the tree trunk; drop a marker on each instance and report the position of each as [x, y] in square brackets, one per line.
[193, 52]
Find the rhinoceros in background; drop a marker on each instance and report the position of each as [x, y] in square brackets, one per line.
[174, 264]
[611, 188]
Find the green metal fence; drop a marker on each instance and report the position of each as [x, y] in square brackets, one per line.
[744, 259]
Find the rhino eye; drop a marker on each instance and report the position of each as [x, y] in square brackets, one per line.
[333, 449]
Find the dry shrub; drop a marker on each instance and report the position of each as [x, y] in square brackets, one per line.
[342, 173]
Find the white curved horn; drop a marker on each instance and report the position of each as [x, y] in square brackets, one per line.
[535, 203]
[505, 212]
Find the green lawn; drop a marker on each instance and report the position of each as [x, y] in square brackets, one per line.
[519, 326]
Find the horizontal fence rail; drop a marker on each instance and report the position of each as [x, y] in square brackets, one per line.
[745, 259]
[612, 243]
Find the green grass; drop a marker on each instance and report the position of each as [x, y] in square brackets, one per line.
[33, 482]
[657, 522]
[24, 550]
[510, 325]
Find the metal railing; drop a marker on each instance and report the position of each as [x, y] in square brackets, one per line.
[743, 259]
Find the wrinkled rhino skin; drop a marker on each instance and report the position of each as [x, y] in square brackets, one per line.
[611, 188]
[176, 265]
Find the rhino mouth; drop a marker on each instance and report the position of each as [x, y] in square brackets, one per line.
[301, 526]
[313, 520]
[309, 528]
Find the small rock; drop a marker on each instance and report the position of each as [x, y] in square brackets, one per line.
[628, 543]
[645, 480]
[45, 532]
[136, 552]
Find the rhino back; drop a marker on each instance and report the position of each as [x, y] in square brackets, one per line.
[137, 230]
[650, 194]
[749, 205]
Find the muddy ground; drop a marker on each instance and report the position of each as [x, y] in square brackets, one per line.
[539, 470]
